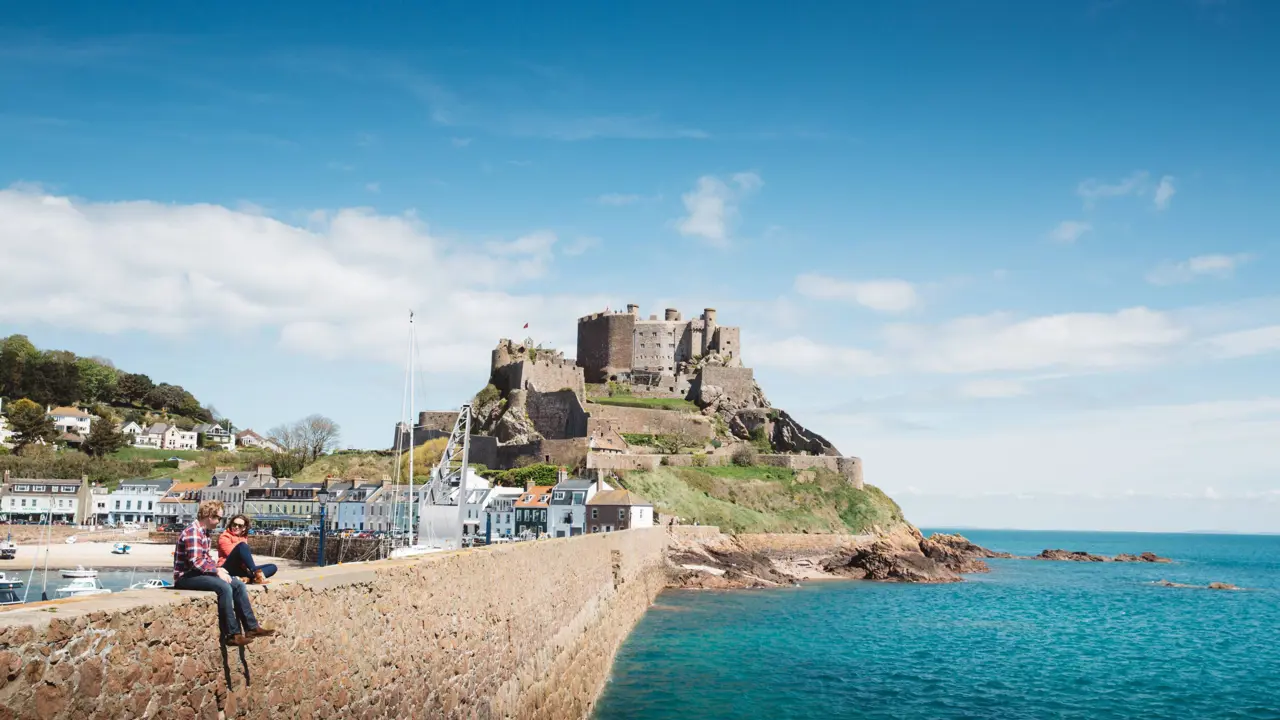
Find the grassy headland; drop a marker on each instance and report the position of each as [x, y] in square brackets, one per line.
[765, 499]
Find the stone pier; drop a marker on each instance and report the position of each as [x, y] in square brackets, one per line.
[525, 630]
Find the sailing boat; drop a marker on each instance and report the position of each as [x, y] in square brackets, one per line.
[410, 549]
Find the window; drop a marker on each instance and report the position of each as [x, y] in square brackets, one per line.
[579, 498]
[595, 513]
[22, 488]
[559, 494]
[622, 513]
[117, 504]
[149, 505]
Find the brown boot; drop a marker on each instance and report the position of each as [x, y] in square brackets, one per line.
[241, 640]
[261, 632]
[260, 579]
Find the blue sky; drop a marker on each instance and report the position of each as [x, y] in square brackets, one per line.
[1020, 257]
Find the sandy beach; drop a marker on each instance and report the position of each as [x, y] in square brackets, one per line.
[98, 555]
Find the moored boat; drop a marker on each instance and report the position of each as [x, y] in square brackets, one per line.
[81, 587]
[79, 572]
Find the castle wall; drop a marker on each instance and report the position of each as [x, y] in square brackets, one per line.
[727, 342]
[849, 467]
[557, 415]
[541, 375]
[604, 345]
[738, 383]
[566, 452]
[521, 630]
[644, 420]
[441, 420]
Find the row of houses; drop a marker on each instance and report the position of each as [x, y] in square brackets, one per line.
[572, 506]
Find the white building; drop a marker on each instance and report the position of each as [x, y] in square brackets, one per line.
[348, 513]
[131, 431]
[176, 438]
[41, 499]
[70, 420]
[251, 439]
[500, 513]
[568, 505]
[179, 504]
[230, 486]
[136, 501]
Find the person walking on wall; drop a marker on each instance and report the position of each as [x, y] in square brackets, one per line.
[235, 557]
[195, 568]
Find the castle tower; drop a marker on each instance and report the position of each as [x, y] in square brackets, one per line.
[673, 315]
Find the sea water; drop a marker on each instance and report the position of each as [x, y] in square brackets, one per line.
[1030, 639]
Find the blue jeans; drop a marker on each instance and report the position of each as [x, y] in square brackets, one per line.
[240, 563]
[233, 601]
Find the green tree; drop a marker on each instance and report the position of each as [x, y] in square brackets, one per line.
[132, 388]
[104, 438]
[97, 380]
[30, 423]
[16, 354]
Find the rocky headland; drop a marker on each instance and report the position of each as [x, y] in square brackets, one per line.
[898, 554]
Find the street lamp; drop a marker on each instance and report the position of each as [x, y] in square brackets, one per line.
[323, 497]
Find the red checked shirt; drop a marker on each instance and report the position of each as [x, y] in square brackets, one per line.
[191, 553]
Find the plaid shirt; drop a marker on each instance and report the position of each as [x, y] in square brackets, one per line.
[191, 553]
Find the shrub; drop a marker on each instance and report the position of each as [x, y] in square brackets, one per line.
[664, 461]
[166, 464]
[744, 456]
[486, 396]
[666, 444]
[699, 459]
[715, 443]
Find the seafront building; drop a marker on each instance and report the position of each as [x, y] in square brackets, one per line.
[531, 512]
[179, 505]
[35, 500]
[231, 486]
[499, 513]
[618, 510]
[136, 501]
[568, 504]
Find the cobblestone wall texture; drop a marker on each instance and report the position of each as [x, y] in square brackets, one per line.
[526, 630]
[646, 421]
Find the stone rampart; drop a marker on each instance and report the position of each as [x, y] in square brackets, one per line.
[737, 383]
[647, 421]
[849, 467]
[526, 630]
[439, 420]
[557, 415]
[541, 375]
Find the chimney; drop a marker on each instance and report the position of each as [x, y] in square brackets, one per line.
[633, 308]
[6, 477]
[562, 474]
[599, 479]
[528, 486]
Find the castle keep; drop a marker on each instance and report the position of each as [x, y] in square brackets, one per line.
[622, 346]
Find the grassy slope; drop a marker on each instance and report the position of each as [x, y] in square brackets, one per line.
[646, 402]
[369, 466]
[762, 499]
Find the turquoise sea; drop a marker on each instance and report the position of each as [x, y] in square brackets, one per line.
[1031, 639]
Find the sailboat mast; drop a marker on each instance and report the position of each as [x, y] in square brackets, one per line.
[412, 424]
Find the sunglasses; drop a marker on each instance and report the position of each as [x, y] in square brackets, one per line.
[237, 524]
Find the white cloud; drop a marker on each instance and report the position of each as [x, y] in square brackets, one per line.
[1130, 337]
[986, 389]
[1214, 266]
[1245, 343]
[460, 141]
[884, 295]
[712, 206]
[580, 245]
[1164, 192]
[618, 199]
[339, 286]
[1092, 189]
[802, 354]
[1068, 231]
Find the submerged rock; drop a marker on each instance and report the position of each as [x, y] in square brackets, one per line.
[1081, 556]
[1210, 586]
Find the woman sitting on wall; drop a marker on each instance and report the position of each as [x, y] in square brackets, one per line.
[234, 555]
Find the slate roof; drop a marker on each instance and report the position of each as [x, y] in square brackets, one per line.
[619, 497]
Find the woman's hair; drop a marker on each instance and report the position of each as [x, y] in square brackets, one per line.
[208, 509]
[234, 518]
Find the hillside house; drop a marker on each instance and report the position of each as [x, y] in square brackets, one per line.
[69, 420]
[217, 435]
[179, 505]
[251, 439]
[131, 430]
[618, 510]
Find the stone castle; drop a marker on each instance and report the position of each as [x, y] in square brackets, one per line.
[543, 407]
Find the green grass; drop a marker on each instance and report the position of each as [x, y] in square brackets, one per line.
[137, 453]
[765, 499]
[677, 404]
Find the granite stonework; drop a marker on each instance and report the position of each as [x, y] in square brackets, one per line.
[527, 630]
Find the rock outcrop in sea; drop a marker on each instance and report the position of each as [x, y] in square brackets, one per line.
[1081, 556]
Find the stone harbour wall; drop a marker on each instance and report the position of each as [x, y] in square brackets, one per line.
[525, 630]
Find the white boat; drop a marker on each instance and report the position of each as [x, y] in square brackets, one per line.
[151, 584]
[8, 549]
[79, 572]
[81, 587]
[9, 591]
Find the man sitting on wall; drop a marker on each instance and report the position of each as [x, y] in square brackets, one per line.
[195, 568]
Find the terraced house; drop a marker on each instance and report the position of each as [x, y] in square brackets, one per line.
[532, 509]
[33, 500]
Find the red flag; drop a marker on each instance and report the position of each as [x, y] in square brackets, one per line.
[526, 326]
